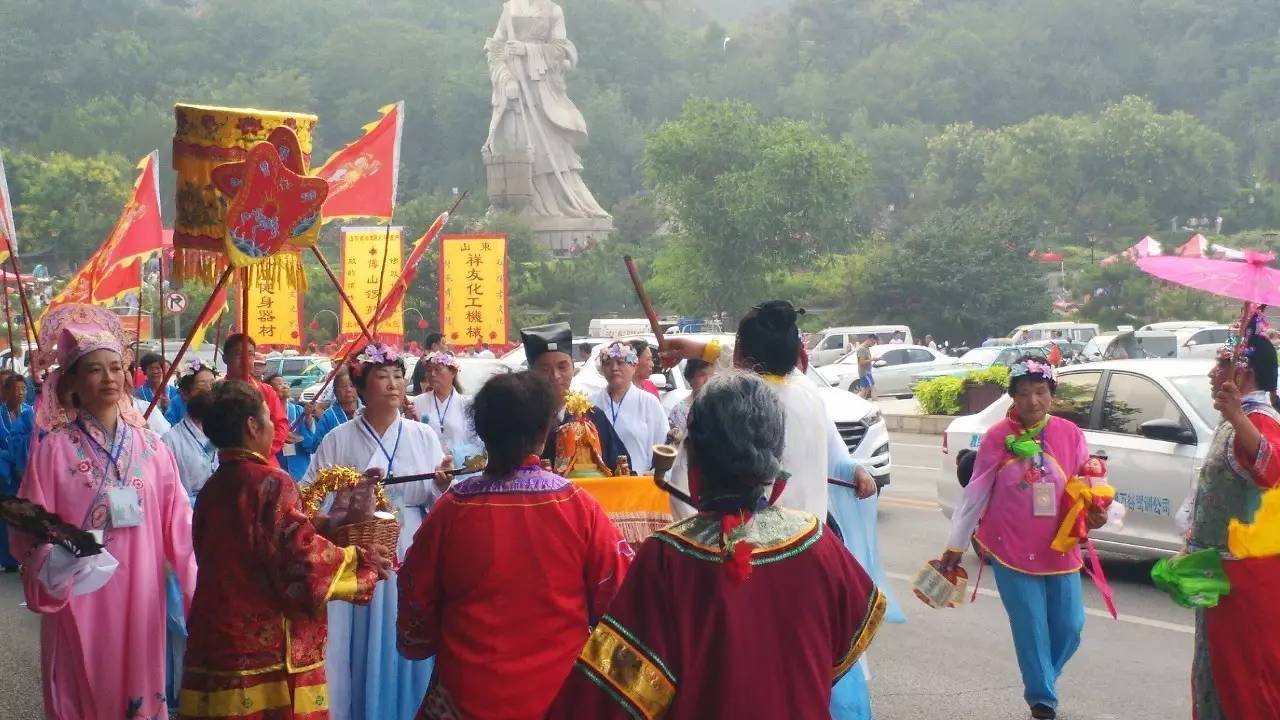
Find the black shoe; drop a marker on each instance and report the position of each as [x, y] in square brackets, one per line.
[1040, 711]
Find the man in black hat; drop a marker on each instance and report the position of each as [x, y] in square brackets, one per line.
[549, 351]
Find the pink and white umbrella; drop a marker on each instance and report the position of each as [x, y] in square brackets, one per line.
[1251, 280]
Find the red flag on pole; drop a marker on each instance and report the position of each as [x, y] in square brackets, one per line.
[137, 233]
[362, 176]
[7, 231]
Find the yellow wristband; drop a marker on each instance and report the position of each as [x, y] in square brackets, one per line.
[711, 353]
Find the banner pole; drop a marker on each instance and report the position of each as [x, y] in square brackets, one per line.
[186, 344]
[8, 318]
[342, 293]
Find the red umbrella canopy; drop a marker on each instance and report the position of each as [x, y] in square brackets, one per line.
[1251, 281]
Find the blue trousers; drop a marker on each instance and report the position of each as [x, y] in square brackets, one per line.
[1046, 614]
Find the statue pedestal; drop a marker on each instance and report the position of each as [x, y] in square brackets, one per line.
[564, 236]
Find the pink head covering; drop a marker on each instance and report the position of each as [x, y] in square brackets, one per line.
[68, 333]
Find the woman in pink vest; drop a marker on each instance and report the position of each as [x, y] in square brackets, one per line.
[1019, 475]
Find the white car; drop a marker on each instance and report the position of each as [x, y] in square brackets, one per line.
[893, 366]
[860, 423]
[1155, 420]
[832, 344]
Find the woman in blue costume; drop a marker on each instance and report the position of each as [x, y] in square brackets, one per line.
[17, 424]
[368, 679]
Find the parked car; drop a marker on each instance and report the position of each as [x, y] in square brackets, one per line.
[860, 423]
[1155, 420]
[1175, 325]
[299, 371]
[981, 358]
[831, 344]
[1096, 348]
[892, 365]
[1186, 343]
[1079, 332]
[1070, 349]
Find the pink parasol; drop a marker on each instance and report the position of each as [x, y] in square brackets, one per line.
[1250, 281]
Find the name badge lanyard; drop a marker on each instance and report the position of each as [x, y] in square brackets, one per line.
[390, 456]
[113, 457]
[615, 410]
[440, 415]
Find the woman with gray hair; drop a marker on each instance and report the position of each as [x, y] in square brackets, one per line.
[696, 591]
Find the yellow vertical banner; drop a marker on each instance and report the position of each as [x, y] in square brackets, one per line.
[362, 266]
[473, 289]
[275, 310]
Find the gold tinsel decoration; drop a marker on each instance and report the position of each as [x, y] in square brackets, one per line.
[576, 403]
[334, 479]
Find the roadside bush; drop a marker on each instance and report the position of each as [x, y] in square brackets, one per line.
[940, 396]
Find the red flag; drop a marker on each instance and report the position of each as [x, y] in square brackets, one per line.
[210, 316]
[137, 233]
[7, 231]
[362, 176]
[80, 288]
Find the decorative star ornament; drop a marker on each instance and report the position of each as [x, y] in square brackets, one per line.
[269, 204]
[230, 177]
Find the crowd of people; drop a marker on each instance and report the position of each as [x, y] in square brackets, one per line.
[239, 578]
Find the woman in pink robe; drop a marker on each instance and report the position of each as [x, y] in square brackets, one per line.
[102, 630]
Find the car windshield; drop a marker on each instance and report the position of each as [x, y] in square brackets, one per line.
[1158, 347]
[982, 356]
[1195, 388]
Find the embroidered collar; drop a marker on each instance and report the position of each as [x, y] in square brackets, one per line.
[240, 453]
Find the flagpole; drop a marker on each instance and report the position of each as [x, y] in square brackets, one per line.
[22, 294]
[186, 344]
[342, 293]
[160, 300]
[382, 275]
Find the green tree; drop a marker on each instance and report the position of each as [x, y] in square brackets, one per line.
[65, 205]
[750, 198]
[957, 274]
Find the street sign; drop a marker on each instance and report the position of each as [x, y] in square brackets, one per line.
[175, 302]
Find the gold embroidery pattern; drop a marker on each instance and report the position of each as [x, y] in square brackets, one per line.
[628, 671]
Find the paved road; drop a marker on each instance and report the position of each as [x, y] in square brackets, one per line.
[952, 664]
[959, 664]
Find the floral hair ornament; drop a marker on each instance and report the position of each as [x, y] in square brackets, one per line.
[1238, 348]
[1024, 368]
[447, 359]
[195, 367]
[619, 351]
[374, 354]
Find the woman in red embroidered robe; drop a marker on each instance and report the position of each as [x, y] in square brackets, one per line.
[258, 619]
[509, 569]
[1237, 651]
[696, 631]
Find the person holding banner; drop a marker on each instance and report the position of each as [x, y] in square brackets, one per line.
[368, 678]
[295, 457]
[235, 349]
[102, 616]
[548, 349]
[153, 367]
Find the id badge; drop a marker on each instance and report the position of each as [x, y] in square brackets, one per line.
[1044, 500]
[126, 510]
[289, 450]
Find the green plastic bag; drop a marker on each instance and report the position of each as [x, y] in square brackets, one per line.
[1195, 580]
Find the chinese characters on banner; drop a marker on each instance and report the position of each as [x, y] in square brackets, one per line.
[473, 289]
[275, 311]
[361, 267]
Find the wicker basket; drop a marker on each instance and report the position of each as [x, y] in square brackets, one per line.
[381, 531]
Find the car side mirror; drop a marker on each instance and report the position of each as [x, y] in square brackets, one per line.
[880, 363]
[659, 381]
[1167, 430]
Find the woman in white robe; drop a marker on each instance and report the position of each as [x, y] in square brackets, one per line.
[367, 676]
[636, 415]
[443, 406]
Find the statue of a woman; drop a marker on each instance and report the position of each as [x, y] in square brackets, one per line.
[529, 55]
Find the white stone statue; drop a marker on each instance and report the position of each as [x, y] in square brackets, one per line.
[531, 152]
